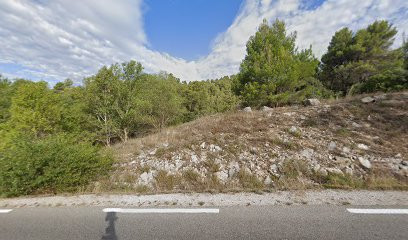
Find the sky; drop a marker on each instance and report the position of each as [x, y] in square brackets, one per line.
[53, 40]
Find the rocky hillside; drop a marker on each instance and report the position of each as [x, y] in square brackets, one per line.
[359, 142]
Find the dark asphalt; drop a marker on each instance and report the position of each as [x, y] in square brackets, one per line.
[268, 222]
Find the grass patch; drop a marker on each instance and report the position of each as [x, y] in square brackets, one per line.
[249, 181]
[165, 181]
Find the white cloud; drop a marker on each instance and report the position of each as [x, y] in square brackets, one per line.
[56, 39]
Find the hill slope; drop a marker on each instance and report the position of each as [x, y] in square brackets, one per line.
[343, 144]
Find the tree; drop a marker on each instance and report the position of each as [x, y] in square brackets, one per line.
[35, 109]
[364, 61]
[5, 99]
[130, 76]
[60, 86]
[405, 52]
[273, 71]
[101, 93]
[160, 102]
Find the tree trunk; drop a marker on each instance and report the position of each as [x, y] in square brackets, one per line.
[125, 135]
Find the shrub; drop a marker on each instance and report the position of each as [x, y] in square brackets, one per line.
[52, 164]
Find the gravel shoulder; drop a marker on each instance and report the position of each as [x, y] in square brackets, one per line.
[324, 197]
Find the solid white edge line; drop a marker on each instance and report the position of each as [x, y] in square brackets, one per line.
[5, 210]
[377, 211]
[162, 210]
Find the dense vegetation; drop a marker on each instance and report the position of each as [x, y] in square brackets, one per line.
[52, 138]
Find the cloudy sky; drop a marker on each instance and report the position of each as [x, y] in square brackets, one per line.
[195, 39]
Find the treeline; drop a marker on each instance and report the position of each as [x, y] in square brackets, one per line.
[51, 139]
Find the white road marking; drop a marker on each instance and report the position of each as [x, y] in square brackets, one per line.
[377, 211]
[5, 210]
[162, 210]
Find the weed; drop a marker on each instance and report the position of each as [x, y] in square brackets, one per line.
[212, 166]
[249, 181]
[165, 181]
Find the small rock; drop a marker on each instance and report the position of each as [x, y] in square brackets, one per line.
[214, 148]
[398, 155]
[380, 97]
[364, 162]
[153, 152]
[222, 176]
[356, 125]
[265, 109]
[194, 158]
[311, 102]
[307, 153]
[404, 163]
[332, 146]
[346, 150]
[202, 145]
[233, 168]
[367, 100]
[289, 114]
[362, 146]
[273, 168]
[334, 171]
[268, 180]
[247, 109]
[293, 129]
[348, 171]
[146, 178]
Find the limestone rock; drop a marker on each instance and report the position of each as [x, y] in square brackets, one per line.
[247, 109]
[215, 148]
[146, 178]
[222, 176]
[332, 146]
[307, 153]
[311, 102]
[233, 168]
[265, 109]
[293, 129]
[334, 171]
[363, 146]
[364, 162]
[268, 180]
[367, 100]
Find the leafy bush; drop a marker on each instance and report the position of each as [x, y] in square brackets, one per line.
[53, 164]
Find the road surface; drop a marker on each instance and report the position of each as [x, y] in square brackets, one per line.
[251, 222]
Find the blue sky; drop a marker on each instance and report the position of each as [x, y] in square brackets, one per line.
[186, 29]
[193, 39]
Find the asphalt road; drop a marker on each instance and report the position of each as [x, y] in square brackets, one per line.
[267, 222]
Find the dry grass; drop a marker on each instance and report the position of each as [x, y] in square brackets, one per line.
[383, 127]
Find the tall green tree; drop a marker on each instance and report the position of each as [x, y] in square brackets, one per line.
[274, 72]
[130, 76]
[101, 94]
[160, 101]
[364, 61]
[5, 99]
[208, 97]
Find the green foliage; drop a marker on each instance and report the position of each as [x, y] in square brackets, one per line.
[208, 97]
[5, 99]
[53, 164]
[363, 62]
[160, 102]
[274, 73]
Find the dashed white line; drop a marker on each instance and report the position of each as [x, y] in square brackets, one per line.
[378, 211]
[162, 210]
[5, 210]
